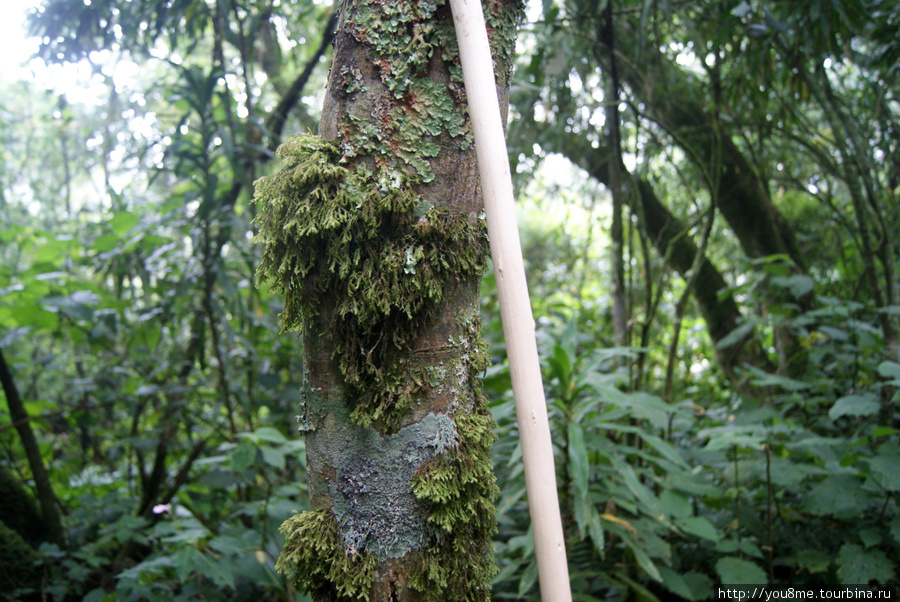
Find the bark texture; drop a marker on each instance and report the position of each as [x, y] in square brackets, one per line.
[374, 232]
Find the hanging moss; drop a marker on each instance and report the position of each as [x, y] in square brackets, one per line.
[372, 249]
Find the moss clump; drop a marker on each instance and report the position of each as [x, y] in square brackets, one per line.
[458, 489]
[377, 254]
[18, 510]
[20, 565]
[318, 562]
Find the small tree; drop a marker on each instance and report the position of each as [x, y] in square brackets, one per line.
[374, 232]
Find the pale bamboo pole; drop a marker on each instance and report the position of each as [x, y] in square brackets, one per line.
[515, 307]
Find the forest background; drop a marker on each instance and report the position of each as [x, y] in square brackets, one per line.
[708, 203]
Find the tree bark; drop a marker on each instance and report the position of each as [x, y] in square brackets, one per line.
[374, 232]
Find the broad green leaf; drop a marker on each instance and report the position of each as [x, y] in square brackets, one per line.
[798, 284]
[890, 370]
[561, 365]
[730, 439]
[105, 243]
[701, 585]
[529, 578]
[643, 559]
[97, 595]
[814, 561]
[858, 566]
[739, 571]
[213, 568]
[885, 466]
[675, 504]
[865, 404]
[641, 492]
[699, 526]
[151, 566]
[736, 335]
[579, 463]
[228, 544]
[595, 530]
[841, 495]
[272, 456]
[870, 537]
[666, 449]
[243, 456]
[675, 583]
[764, 379]
[122, 222]
[185, 560]
[746, 546]
[267, 433]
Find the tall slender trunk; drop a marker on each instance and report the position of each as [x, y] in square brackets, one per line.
[53, 528]
[617, 172]
[374, 233]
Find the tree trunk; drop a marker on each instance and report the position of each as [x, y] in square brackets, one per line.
[374, 232]
[742, 198]
[52, 527]
[672, 240]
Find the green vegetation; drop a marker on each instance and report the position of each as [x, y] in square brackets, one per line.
[721, 367]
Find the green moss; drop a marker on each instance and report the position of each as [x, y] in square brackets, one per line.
[18, 510]
[317, 561]
[458, 489]
[372, 249]
[20, 564]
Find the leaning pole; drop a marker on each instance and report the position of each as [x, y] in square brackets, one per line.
[515, 306]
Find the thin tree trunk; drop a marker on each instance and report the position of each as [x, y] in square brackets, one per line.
[616, 182]
[46, 497]
[373, 231]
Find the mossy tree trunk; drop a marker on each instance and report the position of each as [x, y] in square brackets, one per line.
[375, 233]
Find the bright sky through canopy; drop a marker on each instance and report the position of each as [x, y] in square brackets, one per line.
[15, 50]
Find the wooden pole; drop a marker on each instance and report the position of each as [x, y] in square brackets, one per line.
[515, 306]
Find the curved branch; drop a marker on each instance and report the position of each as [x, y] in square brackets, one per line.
[275, 122]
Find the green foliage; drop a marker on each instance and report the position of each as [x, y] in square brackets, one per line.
[372, 251]
[162, 393]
